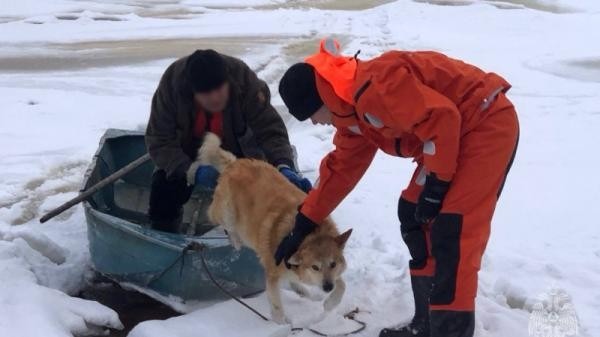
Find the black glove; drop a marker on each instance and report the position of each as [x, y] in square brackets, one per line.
[430, 201]
[291, 242]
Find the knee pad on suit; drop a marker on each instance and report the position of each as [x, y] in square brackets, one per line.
[413, 234]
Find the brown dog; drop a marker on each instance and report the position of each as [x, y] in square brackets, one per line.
[257, 206]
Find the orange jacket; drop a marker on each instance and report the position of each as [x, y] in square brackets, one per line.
[408, 104]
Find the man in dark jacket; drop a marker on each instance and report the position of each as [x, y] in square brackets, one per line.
[209, 92]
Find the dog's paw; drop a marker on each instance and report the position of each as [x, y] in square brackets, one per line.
[235, 240]
[237, 245]
[331, 302]
[336, 295]
[278, 317]
[300, 290]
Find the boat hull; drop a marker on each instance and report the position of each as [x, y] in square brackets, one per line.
[131, 252]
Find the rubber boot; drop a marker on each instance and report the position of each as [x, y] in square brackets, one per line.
[419, 326]
[452, 323]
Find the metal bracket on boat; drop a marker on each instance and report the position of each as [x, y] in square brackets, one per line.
[192, 246]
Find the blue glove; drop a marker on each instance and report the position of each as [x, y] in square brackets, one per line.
[300, 182]
[206, 176]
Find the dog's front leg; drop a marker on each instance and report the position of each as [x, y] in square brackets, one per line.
[299, 289]
[235, 240]
[336, 296]
[274, 294]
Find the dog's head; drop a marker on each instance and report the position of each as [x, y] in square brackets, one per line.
[320, 260]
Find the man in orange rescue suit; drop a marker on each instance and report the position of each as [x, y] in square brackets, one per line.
[457, 123]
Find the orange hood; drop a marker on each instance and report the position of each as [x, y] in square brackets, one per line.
[335, 79]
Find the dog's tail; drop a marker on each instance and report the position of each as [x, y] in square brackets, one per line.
[210, 153]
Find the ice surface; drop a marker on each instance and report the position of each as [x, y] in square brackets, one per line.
[70, 69]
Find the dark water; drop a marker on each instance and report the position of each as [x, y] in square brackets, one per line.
[132, 307]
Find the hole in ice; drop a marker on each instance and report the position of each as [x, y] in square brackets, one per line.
[67, 17]
[108, 18]
[587, 70]
[7, 19]
[544, 6]
[133, 307]
[507, 4]
[446, 2]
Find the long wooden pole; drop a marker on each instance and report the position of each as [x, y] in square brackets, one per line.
[90, 191]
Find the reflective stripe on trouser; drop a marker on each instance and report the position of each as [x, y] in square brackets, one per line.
[456, 240]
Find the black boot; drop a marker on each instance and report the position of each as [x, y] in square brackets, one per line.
[419, 326]
[452, 323]
[167, 197]
[171, 225]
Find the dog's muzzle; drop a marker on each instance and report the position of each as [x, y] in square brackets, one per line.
[327, 286]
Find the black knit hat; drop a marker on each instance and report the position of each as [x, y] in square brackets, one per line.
[206, 70]
[298, 89]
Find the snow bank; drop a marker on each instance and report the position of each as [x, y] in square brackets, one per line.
[225, 319]
[28, 306]
[38, 242]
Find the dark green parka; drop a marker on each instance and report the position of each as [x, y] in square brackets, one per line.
[252, 128]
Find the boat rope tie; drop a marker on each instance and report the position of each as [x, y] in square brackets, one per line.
[180, 257]
[196, 246]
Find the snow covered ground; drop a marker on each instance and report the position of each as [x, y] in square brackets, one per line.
[69, 69]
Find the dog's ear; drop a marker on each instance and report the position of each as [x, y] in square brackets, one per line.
[294, 260]
[342, 238]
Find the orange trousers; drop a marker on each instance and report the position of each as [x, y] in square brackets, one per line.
[451, 247]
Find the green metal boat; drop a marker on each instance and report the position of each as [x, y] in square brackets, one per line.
[124, 248]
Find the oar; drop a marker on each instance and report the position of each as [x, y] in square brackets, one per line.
[90, 191]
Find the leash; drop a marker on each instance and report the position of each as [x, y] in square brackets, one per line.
[195, 246]
[218, 285]
[351, 315]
